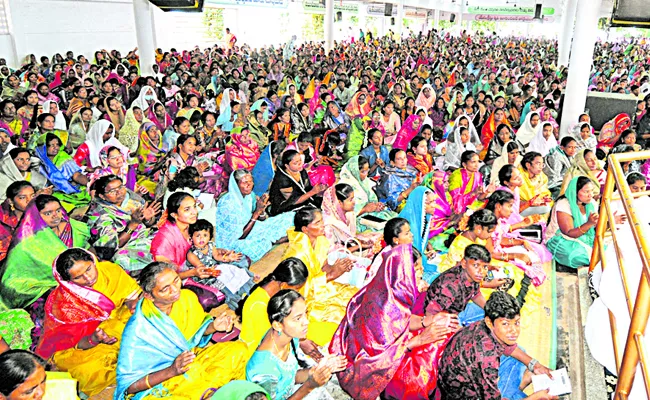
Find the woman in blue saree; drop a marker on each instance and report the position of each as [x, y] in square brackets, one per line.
[264, 169]
[420, 206]
[165, 349]
[65, 175]
[238, 227]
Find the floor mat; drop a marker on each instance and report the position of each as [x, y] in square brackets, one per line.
[539, 320]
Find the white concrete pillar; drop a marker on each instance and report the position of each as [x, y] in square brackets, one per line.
[566, 33]
[329, 25]
[436, 19]
[582, 53]
[145, 33]
[459, 17]
[399, 20]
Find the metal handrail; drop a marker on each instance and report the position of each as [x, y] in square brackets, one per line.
[634, 351]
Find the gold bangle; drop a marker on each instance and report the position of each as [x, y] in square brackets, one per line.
[580, 229]
[146, 382]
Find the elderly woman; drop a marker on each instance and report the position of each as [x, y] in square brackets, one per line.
[85, 316]
[101, 134]
[17, 167]
[291, 188]
[355, 173]
[239, 227]
[165, 346]
[44, 231]
[18, 194]
[326, 297]
[120, 224]
[65, 175]
[398, 181]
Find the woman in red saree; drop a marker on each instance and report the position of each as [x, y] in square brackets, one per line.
[612, 131]
[389, 350]
[85, 316]
[241, 153]
[497, 118]
[418, 155]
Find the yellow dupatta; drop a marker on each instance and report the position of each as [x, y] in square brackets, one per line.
[326, 301]
[536, 186]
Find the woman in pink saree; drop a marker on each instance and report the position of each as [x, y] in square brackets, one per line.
[241, 153]
[387, 348]
[410, 129]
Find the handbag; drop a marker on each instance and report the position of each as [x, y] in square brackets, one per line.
[357, 275]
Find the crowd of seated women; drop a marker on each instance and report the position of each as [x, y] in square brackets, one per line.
[421, 192]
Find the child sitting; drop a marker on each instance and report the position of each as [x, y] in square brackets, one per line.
[215, 268]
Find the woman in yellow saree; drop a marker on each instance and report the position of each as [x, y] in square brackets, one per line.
[85, 316]
[326, 298]
[165, 348]
[534, 193]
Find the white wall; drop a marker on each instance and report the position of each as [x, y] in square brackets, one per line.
[45, 27]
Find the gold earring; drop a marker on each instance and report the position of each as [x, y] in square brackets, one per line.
[12, 207]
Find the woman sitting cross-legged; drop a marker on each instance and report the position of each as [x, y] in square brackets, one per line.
[165, 345]
[276, 365]
[121, 224]
[326, 298]
[388, 349]
[85, 316]
[239, 226]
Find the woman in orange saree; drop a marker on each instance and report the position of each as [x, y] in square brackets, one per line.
[497, 118]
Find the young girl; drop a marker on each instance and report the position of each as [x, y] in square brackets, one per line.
[214, 267]
[505, 246]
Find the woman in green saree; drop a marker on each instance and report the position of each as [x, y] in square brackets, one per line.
[355, 174]
[65, 175]
[44, 231]
[121, 224]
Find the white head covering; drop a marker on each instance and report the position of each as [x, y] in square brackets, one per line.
[225, 100]
[95, 141]
[422, 101]
[526, 132]
[427, 119]
[141, 102]
[501, 161]
[541, 145]
[456, 149]
[474, 138]
[59, 120]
